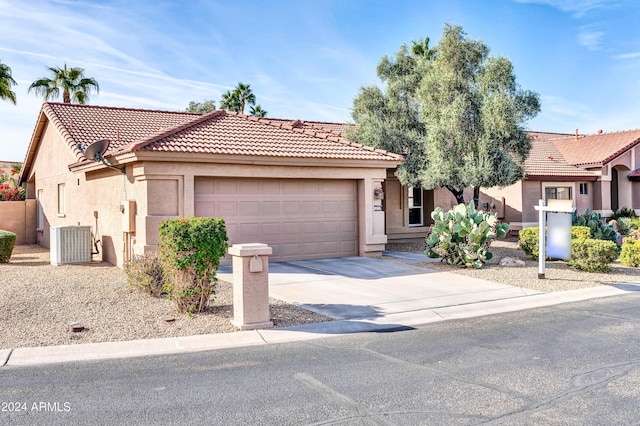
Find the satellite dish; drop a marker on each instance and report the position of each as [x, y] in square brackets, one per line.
[96, 150]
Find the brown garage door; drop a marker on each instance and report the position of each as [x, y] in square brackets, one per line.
[299, 218]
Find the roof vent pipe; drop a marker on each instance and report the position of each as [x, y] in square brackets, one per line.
[576, 134]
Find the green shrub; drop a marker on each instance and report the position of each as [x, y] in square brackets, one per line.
[624, 225]
[623, 212]
[592, 255]
[462, 235]
[630, 254]
[146, 272]
[528, 241]
[528, 238]
[580, 232]
[191, 250]
[634, 224]
[7, 242]
[599, 229]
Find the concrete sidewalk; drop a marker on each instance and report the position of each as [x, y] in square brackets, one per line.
[362, 294]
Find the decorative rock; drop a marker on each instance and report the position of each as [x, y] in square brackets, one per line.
[168, 318]
[511, 262]
[75, 327]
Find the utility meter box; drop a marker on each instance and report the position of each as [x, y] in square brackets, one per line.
[128, 216]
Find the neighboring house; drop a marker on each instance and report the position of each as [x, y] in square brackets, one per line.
[298, 186]
[597, 172]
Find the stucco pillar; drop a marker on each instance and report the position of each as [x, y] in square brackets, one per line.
[251, 286]
[188, 194]
[372, 229]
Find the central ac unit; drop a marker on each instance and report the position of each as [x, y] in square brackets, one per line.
[70, 244]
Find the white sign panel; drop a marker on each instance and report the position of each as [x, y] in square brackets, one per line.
[558, 235]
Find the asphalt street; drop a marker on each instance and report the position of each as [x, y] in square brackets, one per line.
[576, 363]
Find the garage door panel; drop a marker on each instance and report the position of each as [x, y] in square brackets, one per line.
[270, 208]
[271, 229]
[205, 208]
[249, 229]
[203, 186]
[348, 226]
[311, 249]
[291, 228]
[229, 186]
[330, 247]
[249, 187]
[299, 219]
[248, 208]
[227, 208]
[291, 207]
[290, 249]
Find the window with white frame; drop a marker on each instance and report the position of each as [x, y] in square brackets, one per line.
[40, 210]
[415, 206]
[584, 188]
[61, 200]
[557, 193]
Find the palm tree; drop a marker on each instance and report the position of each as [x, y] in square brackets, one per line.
[421, 49]
[257, 111]
[245, 95]
[74, 85]
[6, 81]
[230, 101]
[236, 100]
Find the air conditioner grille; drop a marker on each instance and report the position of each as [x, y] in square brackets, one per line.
[70, 244]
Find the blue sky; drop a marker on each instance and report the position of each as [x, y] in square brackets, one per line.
[307, 58]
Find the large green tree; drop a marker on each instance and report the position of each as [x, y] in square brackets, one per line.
[6, 81]
[466, 115]
[201, 107]
[73, 84]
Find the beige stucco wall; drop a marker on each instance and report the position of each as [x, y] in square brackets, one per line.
[508, 201]
[168, 188]
[19, 217]
[87, 194]
[396, 207]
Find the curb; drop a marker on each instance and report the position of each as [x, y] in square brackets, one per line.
[393, 322]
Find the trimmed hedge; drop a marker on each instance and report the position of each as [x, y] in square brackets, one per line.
[592, 255]
[528, 238]
[7, 243]
[630, 254]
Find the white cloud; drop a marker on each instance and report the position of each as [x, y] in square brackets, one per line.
[632, 55]
[590, 38]
[577, 7]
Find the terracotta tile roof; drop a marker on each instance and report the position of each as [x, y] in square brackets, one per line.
[86, 124]
[337, 128]
[546, 162]
[219, 132]
[597, 148]
[224, 132]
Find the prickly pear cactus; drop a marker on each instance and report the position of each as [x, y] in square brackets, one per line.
[599, 229]
[462, 235]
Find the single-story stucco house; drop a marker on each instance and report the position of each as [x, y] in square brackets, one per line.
[299, 187]
[599, 172]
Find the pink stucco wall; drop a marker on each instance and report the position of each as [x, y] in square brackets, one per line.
[19, 217]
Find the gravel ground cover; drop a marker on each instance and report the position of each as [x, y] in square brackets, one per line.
[38, 301]
[559, 276]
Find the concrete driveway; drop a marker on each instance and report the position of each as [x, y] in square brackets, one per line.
[360, 288]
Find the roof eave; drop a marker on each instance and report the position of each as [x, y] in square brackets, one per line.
[556, 178]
